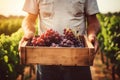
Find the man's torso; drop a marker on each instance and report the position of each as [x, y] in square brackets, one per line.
[59, 14]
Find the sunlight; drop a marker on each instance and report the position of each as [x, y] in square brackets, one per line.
[11, 7]
[109, 5]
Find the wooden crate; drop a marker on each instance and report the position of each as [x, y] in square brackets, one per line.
[66, 56]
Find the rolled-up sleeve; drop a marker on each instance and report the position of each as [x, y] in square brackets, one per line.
[91, 7]
[31, 6]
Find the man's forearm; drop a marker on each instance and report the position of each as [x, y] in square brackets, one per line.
[28, 25]
[93, 25]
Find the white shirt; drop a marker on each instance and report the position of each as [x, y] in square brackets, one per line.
[59, 14]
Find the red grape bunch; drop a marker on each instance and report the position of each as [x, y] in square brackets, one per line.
[47, 38]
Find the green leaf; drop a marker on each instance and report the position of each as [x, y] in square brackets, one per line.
[10, 67]
[6, 58]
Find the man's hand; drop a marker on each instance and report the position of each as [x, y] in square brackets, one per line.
[24, 39]
[93, 40]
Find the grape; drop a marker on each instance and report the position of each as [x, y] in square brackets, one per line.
[66, 43]
[52, 38]
[54, 45]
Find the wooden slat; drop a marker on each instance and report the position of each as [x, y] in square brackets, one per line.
[58, 56]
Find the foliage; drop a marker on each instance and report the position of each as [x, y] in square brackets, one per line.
[109, 37]
[10, 66]
[10, 24]
[10, 35]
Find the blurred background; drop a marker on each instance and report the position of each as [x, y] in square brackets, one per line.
[106, 64]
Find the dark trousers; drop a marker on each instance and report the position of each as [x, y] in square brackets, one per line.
[63, 73]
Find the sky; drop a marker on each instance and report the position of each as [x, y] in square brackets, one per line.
[14, 7]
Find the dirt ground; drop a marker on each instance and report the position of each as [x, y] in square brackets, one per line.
[98, 70]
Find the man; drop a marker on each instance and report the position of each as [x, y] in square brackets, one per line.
[79, 15]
